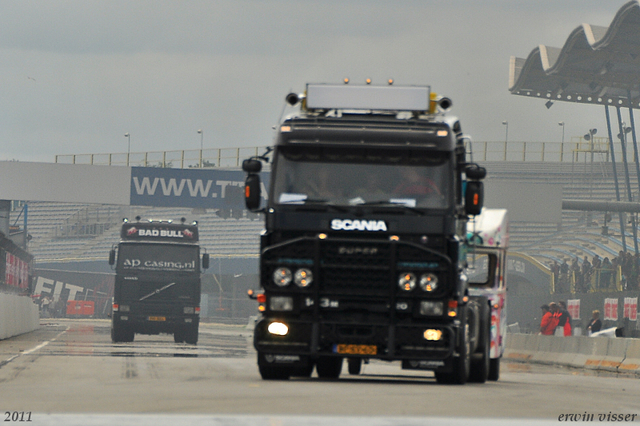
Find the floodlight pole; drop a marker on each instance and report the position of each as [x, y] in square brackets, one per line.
[635, 140]
[615, 176]
[623, 141]
[506, 138]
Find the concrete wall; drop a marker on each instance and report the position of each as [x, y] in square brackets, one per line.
[619, 355]
[18, 315]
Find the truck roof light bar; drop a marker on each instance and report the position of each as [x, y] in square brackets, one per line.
[382, 98]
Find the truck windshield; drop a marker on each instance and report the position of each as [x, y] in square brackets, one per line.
[365, 176]
[158, 257]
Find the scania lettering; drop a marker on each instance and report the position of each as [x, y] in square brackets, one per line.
[358, 225]
[365, 246]
[157, 286]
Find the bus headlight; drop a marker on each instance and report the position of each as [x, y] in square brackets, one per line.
[429, 282]
[282, 277]
[407, 281]
[303, 277]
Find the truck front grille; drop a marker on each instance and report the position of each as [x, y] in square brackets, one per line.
[349, 266]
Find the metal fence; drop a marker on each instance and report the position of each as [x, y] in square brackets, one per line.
[598, 280]
[181, 159]
[575, 150]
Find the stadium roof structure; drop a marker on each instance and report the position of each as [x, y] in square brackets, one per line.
[597, 65]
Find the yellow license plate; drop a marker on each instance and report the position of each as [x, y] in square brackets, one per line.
[157, 318]
[357, 349]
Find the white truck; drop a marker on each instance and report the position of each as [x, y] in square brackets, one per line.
[488, 236]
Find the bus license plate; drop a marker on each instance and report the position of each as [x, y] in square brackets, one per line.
[157, 318]
[356, 349]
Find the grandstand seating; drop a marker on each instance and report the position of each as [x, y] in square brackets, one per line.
[579, 234]
[55, 236]
[221, 237]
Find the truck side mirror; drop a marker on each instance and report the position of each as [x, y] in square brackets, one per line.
[475, 172]
[252, 166]
[252, 191]
[112, 257]
[474, 197]
[205, 261]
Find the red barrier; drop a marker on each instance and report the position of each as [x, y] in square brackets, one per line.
[84, 308]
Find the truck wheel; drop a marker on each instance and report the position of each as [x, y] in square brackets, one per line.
[480, 359]
[480, 365]
[121, 333]
[461, 363]
[179, 335]
[270, 371]
[191, 335]
[329, 367]
[355, 365]
[494, 369]
[116, 334]
[304, 371]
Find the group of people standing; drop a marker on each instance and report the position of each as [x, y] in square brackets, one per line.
[555, 319]
[598, 274]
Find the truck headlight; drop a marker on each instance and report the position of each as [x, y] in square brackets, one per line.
[278, 328]
[281, 303]
[407, 281]
[303, 277]
[433, 334]
[429, 282]
[282, 277]
[431, 308]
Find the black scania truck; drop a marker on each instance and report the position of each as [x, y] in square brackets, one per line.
[157, 287]
[365, 244]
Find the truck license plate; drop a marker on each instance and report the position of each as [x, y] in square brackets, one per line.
[157, 318]
[356, 349]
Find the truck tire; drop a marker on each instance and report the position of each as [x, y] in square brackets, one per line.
[306, 371]
[121, 333]
[271, 371]
[494, 369]
[329, 367]
[355, 366]
[462, 362]
[179, 335]
[480, 359]
[191, 335]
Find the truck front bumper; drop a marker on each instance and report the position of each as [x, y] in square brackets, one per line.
[155, 324]
[417, 342]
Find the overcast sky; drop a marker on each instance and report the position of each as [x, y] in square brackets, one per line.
[76, 75]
